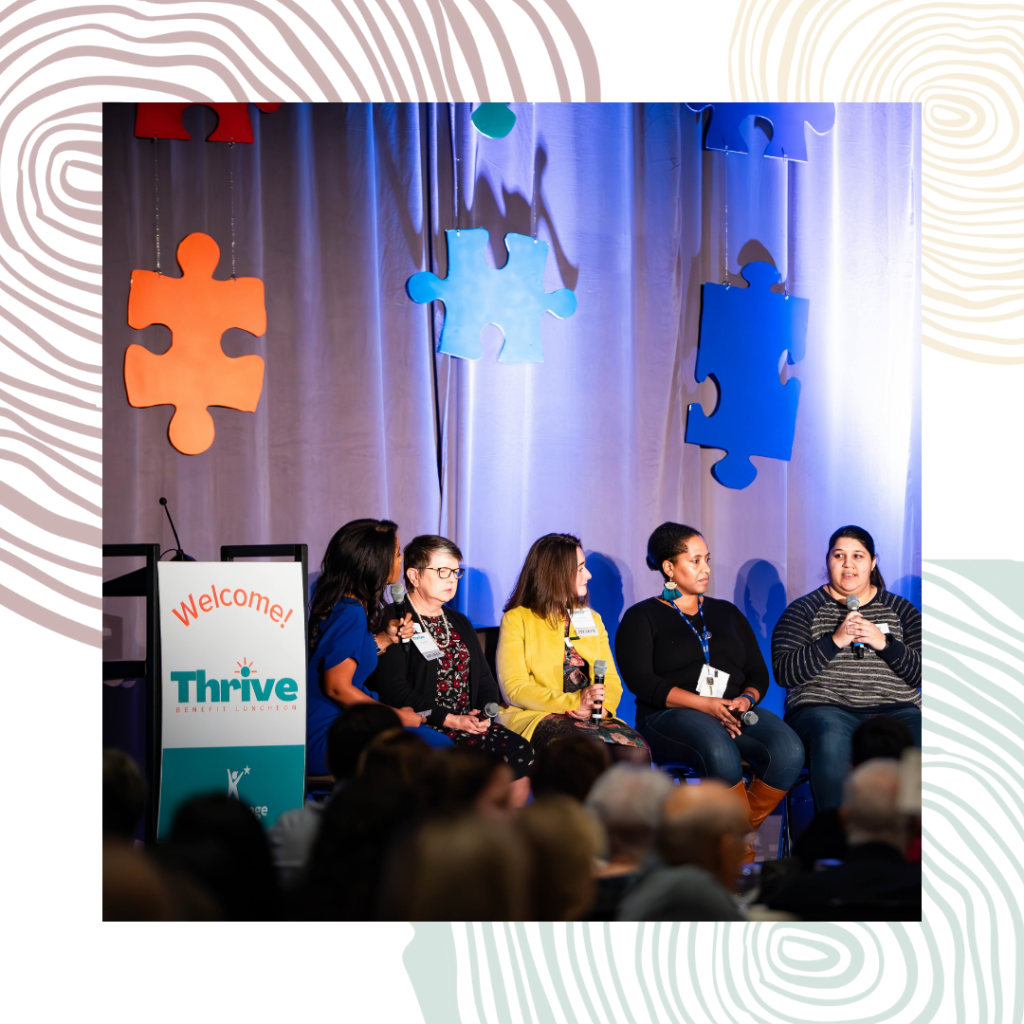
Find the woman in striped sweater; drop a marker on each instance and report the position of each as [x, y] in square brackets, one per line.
[844, 652]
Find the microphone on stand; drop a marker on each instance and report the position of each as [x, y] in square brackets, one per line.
[400, 603]
[852, 604]
[180, 555]
[600, 668]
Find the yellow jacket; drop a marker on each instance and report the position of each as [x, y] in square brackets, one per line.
[529, 661]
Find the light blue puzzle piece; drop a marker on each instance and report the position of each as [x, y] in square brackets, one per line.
[475, 295]
[787, 121]
[494, 120]
[743, 333]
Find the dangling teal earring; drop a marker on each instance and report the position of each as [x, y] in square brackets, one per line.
[670, 591]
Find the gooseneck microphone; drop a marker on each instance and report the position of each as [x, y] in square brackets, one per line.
[852, 604]
[600, 668]
[180, 555]
[400, 603]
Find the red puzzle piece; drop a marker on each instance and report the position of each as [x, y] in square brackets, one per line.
[194, 372]
[163, 120]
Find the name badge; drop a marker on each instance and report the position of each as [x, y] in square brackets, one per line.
[712, 682]
[424, 643]
[883, 627]
[583, 622]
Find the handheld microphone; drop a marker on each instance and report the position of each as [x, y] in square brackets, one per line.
[600, 668]
[491, 710]
[180, 555]
[852, 604]
[398, 600]
[746, 717]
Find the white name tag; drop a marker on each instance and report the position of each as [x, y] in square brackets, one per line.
[712, 682]
[583, 623]
[424, 643]
[883, 627]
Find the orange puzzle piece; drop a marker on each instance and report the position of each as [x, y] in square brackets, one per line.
[194, 372]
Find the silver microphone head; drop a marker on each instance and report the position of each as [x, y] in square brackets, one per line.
[852, 603]
[491, 710]
[749, 718]
[397, 593]
[600, 668]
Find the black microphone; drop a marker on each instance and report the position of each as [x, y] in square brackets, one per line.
[600, 668]
[399, 601]
[852, 604]
[180, 556]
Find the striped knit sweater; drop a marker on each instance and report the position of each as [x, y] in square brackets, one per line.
[814, 670]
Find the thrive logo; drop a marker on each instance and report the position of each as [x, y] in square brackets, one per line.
[201, 688]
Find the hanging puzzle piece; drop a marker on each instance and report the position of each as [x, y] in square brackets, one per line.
[163, 120]
[194, 372]
[494, 120]
[787, 121]
[743, 333]
[475, 295]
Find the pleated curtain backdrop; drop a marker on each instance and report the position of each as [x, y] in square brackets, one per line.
[335, 206]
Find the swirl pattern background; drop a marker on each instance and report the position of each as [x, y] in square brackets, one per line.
[963, 64]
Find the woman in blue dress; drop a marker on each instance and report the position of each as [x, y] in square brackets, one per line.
[362, 558]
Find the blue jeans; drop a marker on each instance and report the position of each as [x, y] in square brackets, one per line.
[690, 737]
[827, 731]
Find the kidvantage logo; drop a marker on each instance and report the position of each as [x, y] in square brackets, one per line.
[207, 693]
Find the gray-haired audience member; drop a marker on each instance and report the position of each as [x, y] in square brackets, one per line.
[874, 882]
[700, 853]
[627, 801]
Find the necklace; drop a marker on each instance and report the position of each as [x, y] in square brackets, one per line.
[425, 622]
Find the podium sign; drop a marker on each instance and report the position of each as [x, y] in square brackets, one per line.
[233, 686]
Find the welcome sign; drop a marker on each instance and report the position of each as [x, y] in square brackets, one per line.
[233, 685]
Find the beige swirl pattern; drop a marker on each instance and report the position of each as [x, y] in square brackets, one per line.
[56, 68]
[965, 65]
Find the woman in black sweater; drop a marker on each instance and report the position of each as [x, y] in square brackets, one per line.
[442, 672]
[694, 666]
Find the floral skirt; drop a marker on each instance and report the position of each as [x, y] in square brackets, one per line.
[610, 730]
[499, 742]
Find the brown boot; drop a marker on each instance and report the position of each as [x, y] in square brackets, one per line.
[762, 800]
[740, 790]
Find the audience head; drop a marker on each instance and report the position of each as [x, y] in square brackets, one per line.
[569, 765]
[463, 780]
[553, 578]
[563, 841]
[352, 732]
[124, 795]
[870, 810]
[133, 887]
[361, 559]
[851, 562]
[432, 568]
[627, 800]
[705, 825]
[461, 869]
[879, 736]
[395, 757]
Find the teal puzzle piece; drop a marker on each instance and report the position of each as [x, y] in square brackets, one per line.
[743, 333]
[475, 295]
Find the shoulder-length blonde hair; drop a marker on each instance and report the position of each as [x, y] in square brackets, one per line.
[547, 581]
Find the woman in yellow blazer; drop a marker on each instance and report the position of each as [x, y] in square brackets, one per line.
[549, 643]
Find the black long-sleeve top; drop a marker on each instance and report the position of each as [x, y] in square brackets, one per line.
[404, 678]
[814, 670]
[656, 650]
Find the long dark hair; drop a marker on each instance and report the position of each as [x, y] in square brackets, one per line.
[863, 538]
[668, 541]
[547, 581]
[357, 562]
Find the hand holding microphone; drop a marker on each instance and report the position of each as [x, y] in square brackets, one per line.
[403, 623]
[852, 605]
[597, 707]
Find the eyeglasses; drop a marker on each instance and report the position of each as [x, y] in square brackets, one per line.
[444, 573]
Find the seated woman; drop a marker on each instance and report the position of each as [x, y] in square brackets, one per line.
[360, 560]
[694, 665]
[549, 642]
[443, 671]
[844, 652]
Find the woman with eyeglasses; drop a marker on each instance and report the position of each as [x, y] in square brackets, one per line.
[550, 642]
[442, 672]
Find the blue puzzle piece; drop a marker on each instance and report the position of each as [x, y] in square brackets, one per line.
[787, 121]
[743, 333]
[475, 295]
[494, 120]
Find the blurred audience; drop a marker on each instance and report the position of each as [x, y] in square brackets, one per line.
[874, 882]
[699, 849]
[124, 796]
[627, 801]
[569, 765]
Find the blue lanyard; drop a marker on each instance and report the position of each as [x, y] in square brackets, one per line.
[704, 637]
